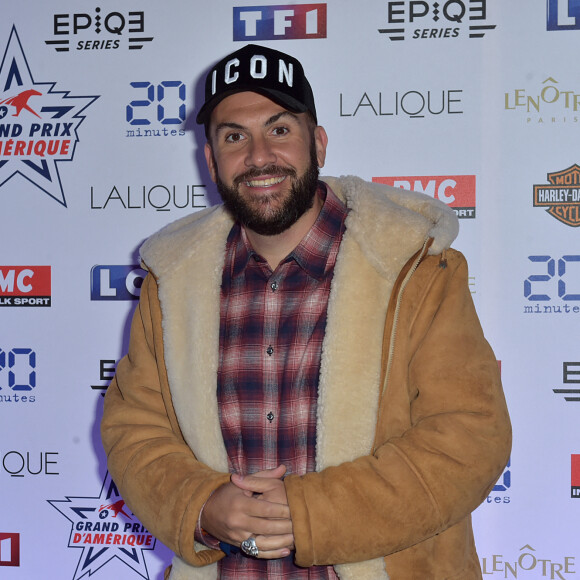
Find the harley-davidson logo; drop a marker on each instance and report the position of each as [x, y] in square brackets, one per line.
[561, 196]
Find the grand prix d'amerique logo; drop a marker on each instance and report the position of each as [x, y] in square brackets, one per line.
[104, 528]
[38, 125]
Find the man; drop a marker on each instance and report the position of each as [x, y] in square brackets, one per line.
[308, 392]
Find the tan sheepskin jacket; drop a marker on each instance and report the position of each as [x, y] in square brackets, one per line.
[413, 430]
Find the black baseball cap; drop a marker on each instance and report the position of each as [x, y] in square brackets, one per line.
[258, 69]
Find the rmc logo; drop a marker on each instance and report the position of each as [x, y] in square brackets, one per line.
[563, 15]
[25, 286]
[457, 191]
[282, 22]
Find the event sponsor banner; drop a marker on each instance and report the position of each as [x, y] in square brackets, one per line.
[99, 149]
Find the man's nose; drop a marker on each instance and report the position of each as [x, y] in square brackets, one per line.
[260, 153]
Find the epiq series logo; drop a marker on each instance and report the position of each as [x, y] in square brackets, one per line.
[25, 286]
[570, 376]
[420, 19]
[107, 368]
[561, 196]
[9, 549]
[100, 30]
[553, 286]
[105, 528]
[563, 15]
[38, 126]
[282, 22]
[17, 375]
[457, 191]
[116, 282]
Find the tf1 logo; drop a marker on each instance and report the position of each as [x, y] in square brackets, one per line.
[282, 22]
[563, 15]
[116, 282]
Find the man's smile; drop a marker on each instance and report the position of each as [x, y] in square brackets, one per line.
[265, 182]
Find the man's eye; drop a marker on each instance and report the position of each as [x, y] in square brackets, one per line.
[234, 138]
[280, 131]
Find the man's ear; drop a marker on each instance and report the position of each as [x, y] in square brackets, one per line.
[209, 159]
[320, 142]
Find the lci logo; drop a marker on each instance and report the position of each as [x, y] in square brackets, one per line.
[9, 549]
[25, 286]
[105, 528]
[116, 282]
[436, 19]
[457, 191]
[563, 15]
[282, 22]
[38, 126]
[561, 196]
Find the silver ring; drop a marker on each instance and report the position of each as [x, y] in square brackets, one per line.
[249, 547]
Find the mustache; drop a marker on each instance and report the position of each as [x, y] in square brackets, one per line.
[270, 170]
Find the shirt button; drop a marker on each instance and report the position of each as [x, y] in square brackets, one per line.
[274, 286]
[270, 350]
[270, 416]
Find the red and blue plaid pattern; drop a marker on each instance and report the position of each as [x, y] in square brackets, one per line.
[272, 327]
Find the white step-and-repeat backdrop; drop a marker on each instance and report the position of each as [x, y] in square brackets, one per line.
[474, 102]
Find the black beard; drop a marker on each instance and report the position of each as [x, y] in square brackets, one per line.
[297, 203]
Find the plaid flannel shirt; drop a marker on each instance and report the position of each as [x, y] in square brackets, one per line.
[272, 326]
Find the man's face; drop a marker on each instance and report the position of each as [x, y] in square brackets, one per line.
[264, 160]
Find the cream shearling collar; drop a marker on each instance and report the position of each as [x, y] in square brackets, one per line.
[375, 210]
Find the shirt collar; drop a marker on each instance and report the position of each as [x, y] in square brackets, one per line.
[313, 252]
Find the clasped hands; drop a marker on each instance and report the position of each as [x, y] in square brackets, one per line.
[253, 505]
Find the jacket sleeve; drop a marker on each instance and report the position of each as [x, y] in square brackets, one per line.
[156, 472]
[443, 434]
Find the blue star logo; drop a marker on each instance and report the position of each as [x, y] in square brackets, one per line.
[38, 125]
[104, 528]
